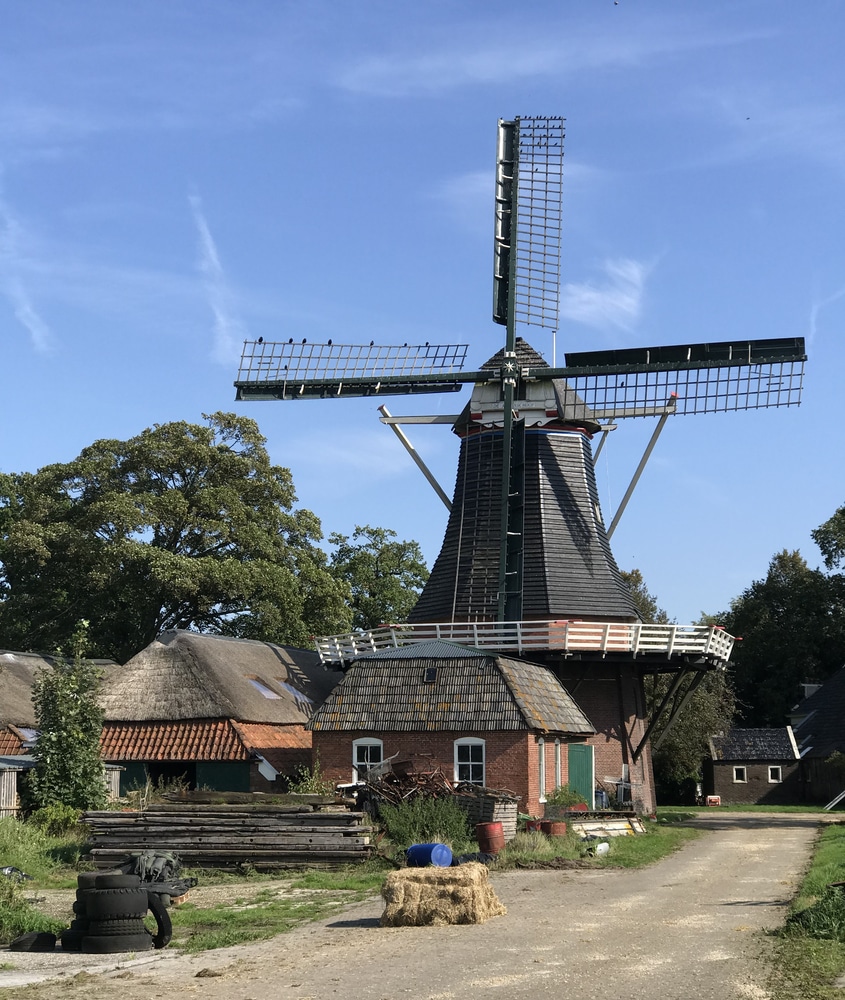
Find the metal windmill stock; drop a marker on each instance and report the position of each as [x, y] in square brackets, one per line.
[606, 385]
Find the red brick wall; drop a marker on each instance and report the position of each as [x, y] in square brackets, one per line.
[511, 758]
[613, 700]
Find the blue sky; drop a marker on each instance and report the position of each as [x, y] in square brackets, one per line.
[176, 177]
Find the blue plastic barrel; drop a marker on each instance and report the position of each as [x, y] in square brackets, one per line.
[422, 855]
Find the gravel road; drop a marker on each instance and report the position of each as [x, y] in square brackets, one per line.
[683, 929]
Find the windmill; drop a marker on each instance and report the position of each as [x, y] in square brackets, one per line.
[526, 561]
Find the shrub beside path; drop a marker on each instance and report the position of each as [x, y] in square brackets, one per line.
[683, 929]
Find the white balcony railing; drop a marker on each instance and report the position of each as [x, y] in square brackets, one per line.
[710, 641]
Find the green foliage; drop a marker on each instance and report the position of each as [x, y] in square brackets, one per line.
[385, 576]
[830, 538]
[56, 820]
[426, 820]
[183, 526]
[563, 796]
[644, 600]
[18, 916]
[792, 625]
[49, 860]
[825, 918]
[677, 760]
[68, 770]
[310, 780]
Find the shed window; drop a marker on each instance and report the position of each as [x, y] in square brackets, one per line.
[740, 774]
[775, 774]
[469, 760]
[366, 753]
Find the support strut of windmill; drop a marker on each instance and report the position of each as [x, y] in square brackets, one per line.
[526, 567]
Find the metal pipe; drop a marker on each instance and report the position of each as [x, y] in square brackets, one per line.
[429, 475]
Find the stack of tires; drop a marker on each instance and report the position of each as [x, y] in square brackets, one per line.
[109, 916]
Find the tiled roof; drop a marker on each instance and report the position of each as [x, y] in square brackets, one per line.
[439, 686]
[203, 739]
[753, 744]
[819, 721]
[10, 741]
[261, 737]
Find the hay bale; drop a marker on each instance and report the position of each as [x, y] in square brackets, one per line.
[432, 897]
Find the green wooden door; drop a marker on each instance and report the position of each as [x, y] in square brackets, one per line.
[582, 771]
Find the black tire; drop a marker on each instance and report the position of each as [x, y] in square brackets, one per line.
[105, 904]
[80, 924]
[117, 882]
[164, 928]
[108, 928]
[79, 908]
[71, 940]
[85, 880]
[111, 944]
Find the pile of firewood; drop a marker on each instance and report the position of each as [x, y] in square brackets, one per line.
[395, 788]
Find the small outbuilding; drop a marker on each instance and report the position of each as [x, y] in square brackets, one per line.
[212, 712]
[754, 766]
[479, 717]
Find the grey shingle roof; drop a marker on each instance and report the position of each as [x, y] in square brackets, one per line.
[823, 728]
[569, 570]
[438, 686]
[753, 744]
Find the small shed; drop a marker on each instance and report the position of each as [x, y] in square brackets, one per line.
[212, 712]
[754, 766]
[479, 717]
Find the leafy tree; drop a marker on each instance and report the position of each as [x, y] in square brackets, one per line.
[792, 625]
[680, 752]
[385, 576]
[68, 770]
[644, 600]
[183, 526]
[830, 538]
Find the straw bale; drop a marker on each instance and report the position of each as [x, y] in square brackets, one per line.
[432, 897]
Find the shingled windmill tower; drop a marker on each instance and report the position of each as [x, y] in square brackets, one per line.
[526, 564]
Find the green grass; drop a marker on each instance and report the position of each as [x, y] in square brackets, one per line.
[51, 861]
[530, 847]
[309, 896]
[809, 951]
[695, 810]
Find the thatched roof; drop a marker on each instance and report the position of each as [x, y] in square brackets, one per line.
[184, 675]
[442, 686]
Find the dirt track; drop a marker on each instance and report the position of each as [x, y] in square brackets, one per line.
[683, 929]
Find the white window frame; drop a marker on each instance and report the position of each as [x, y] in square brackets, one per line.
[365, 741]
[541, 767]
[775, 769]
[472, 741]
[740, 780]
[558, 771]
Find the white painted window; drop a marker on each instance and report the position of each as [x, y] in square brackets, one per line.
[541, 767]
[740, 774]
[558, 772]
[365, 753]
[775, 774]
[469, 760]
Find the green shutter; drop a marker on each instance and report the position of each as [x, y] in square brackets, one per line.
[582, 772]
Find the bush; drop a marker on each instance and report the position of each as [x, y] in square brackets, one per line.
[56, 820]
[564, 796]
[310, 781]
[425, 820]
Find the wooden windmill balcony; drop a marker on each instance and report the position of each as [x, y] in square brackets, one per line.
[579, 639]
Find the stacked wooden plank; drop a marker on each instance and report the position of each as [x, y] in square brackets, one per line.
[232, 835]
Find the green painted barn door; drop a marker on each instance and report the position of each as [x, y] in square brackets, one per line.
[582, 771]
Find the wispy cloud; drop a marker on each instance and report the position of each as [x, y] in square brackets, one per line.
[556, 53]
[612, 303]
[12, 282]
[816, 307]
[228, 329]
